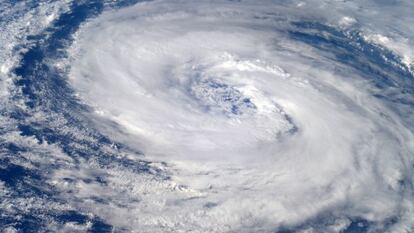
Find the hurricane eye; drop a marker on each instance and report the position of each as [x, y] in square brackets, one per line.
[220, 97]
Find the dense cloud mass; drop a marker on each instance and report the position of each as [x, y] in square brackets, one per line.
[207, 116]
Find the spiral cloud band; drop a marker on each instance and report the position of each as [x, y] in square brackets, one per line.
[223, 116]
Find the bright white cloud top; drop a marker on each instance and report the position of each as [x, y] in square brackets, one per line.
[260, 117]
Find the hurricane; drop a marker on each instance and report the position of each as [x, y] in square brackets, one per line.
[207, 116]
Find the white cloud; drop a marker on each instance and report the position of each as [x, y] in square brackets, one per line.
[257, 131]
[302, 141]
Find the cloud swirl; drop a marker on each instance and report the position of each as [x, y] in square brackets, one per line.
[207, 116]
[263, 127]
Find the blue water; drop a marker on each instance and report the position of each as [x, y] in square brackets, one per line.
[44, 88]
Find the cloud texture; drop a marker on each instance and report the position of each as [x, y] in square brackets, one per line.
[262, 128]
[207, 116]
